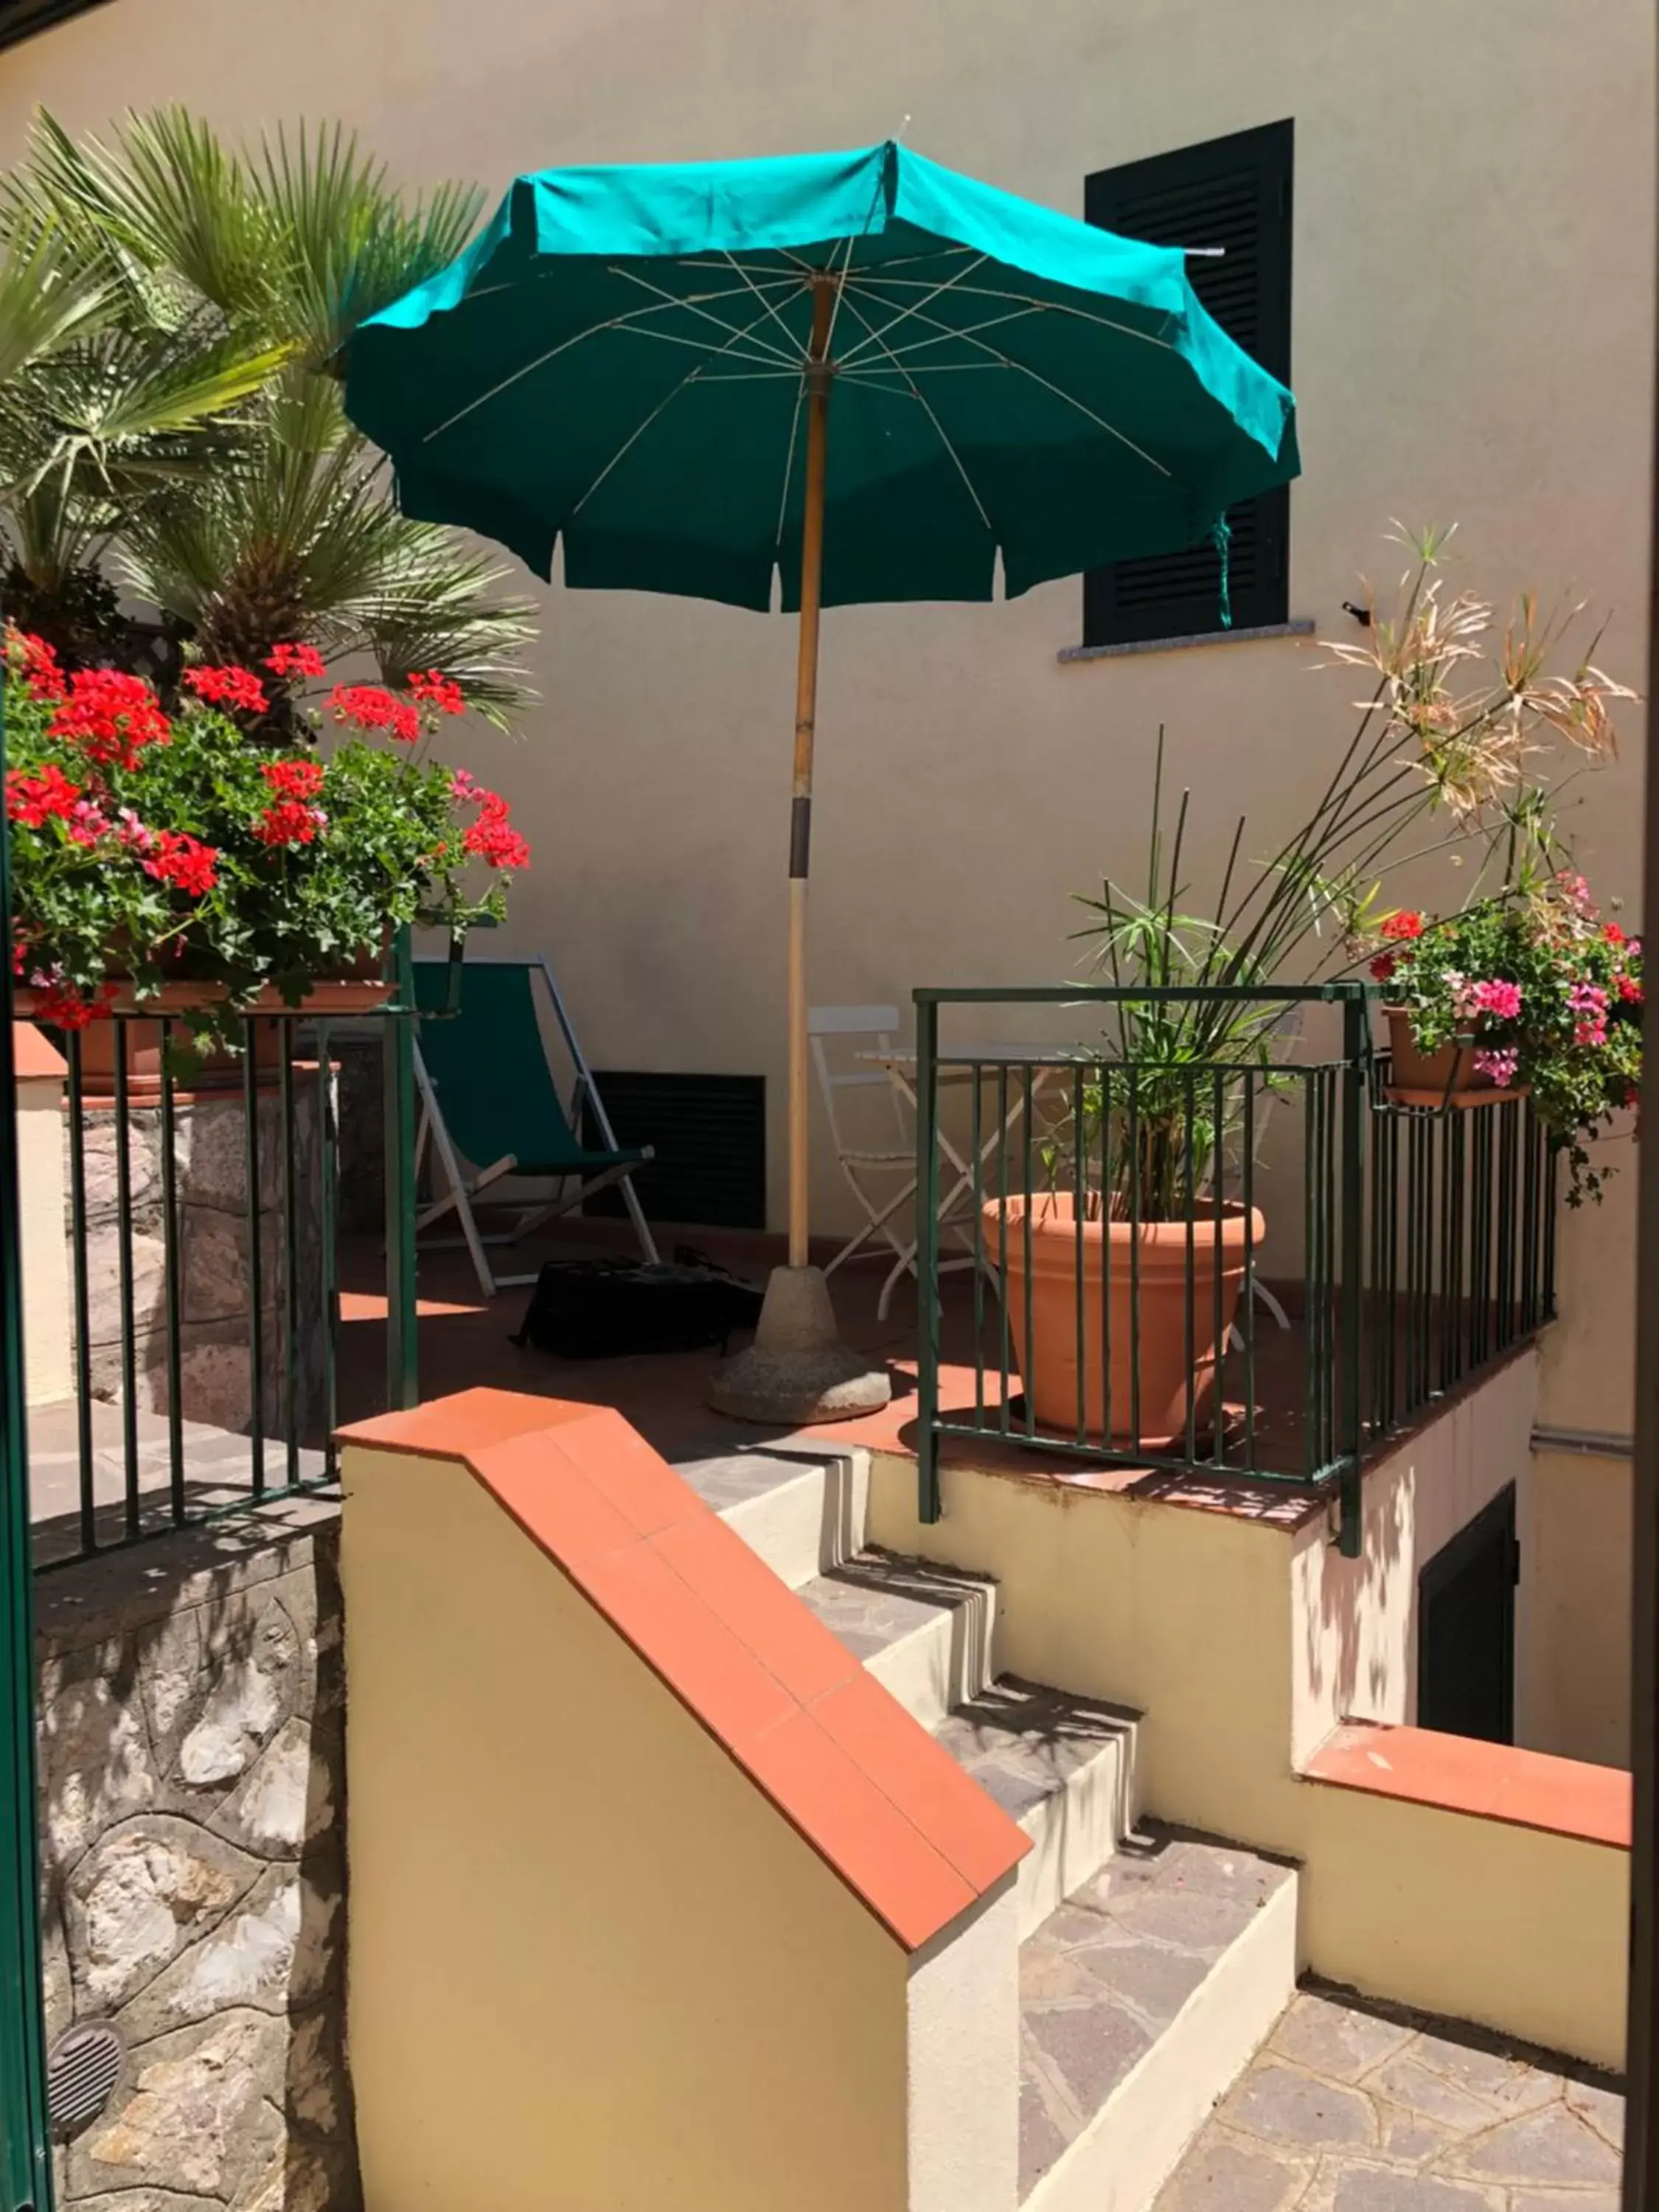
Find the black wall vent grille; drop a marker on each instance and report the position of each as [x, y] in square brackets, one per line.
[709, 1135]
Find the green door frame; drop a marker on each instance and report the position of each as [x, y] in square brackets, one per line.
[25, 2153]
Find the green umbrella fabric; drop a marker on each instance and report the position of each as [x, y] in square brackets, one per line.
[619, 361]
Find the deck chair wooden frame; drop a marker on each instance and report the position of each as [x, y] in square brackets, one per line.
[588, 1173]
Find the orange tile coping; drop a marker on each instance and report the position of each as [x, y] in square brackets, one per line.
[885, 1807]
[1491, 1780]
[31, 1054]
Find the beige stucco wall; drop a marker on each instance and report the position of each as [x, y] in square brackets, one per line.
[1573, 1671]
[1476, 1919]
[1243, 1643]
[585, 1948]
[967, 783]
[46, 1335]
[1356, 1620]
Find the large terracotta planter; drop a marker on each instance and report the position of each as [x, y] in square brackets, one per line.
[1448, 1074]
[1154, 1279]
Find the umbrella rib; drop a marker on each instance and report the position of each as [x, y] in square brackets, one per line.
[795, 285]
[1034, 307]
[789, 465]
[628, 322]
[675, 300]
[691, 376]
[853, 309]
[1059, 390]
[929, 292]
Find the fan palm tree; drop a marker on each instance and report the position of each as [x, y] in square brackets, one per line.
[169, 415]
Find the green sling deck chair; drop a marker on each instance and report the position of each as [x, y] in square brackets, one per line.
[488, 1094]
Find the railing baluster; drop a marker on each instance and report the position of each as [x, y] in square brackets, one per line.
[1003, 1253]
[1027, 1135]
[283, 1032]
[1218, 1322]
[1132, 1145]
[927, 1281]
[1079, 1151]
[328, 1140]
[1105, 1254]
[1189, 1103]
[1247, 1192]
[173, 1263]
[977, 1145]
[255, 1265]
[123, 1270]
[85, 1466]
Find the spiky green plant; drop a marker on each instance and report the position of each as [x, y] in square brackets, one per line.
[167, 411]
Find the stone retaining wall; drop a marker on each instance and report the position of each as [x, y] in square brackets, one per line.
[192, 1739]
[215, 1300]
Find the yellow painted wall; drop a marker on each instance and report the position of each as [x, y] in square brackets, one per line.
[1355, 1621]
[1473, 1919]
[1244, 1644]
[46, 1334]
[967, 783]
[1573, 1694]
[589, 1960]
[1184, 1615]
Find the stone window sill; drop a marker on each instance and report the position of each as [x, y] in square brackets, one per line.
[1302, 627]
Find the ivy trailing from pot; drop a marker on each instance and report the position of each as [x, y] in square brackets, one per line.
[167, 860]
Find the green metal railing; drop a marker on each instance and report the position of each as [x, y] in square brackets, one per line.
[1110, 1217]
[287, 1248]
[25, 2148]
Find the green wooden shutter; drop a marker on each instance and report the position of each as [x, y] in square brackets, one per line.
[1235, 194]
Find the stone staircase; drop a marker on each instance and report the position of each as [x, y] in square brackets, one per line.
[1152, 1965]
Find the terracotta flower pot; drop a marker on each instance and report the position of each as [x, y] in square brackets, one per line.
[334, 998]
[1430, 1076]
[1149, 1290]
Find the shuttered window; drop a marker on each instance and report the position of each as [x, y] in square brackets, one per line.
[1235, 194]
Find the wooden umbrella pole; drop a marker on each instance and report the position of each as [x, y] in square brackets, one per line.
[806, 695]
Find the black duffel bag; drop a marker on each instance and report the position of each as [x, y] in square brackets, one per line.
[606, 1308]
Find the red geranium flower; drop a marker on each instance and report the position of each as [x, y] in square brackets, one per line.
[110, 717]
[302, 660]
[228, 687]
[42, 676]
[1400, 925]
[1613, 934]
[1630, 990]
[33, 801]
[287, 821]
[372, 707]
[1383, 966]
[182, 861]
[442, 691]
[492, 837]
[294, 779]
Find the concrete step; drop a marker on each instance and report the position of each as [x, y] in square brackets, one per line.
[802, 1514]
[925, 1632]
[1142, 1999]
[1063, 1767]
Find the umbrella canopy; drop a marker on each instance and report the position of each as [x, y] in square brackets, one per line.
[618, 360]
[642, 362]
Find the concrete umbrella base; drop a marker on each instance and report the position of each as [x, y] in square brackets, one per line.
[797, 1371]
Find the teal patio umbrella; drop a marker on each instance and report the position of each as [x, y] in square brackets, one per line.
[823, 380]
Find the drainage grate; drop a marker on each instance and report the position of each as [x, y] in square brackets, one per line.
[83, 2069]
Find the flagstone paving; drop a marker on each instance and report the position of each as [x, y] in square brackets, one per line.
[1355, 2108]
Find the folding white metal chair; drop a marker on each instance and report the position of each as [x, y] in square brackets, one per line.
[1282, 1038]
[881, 1175]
